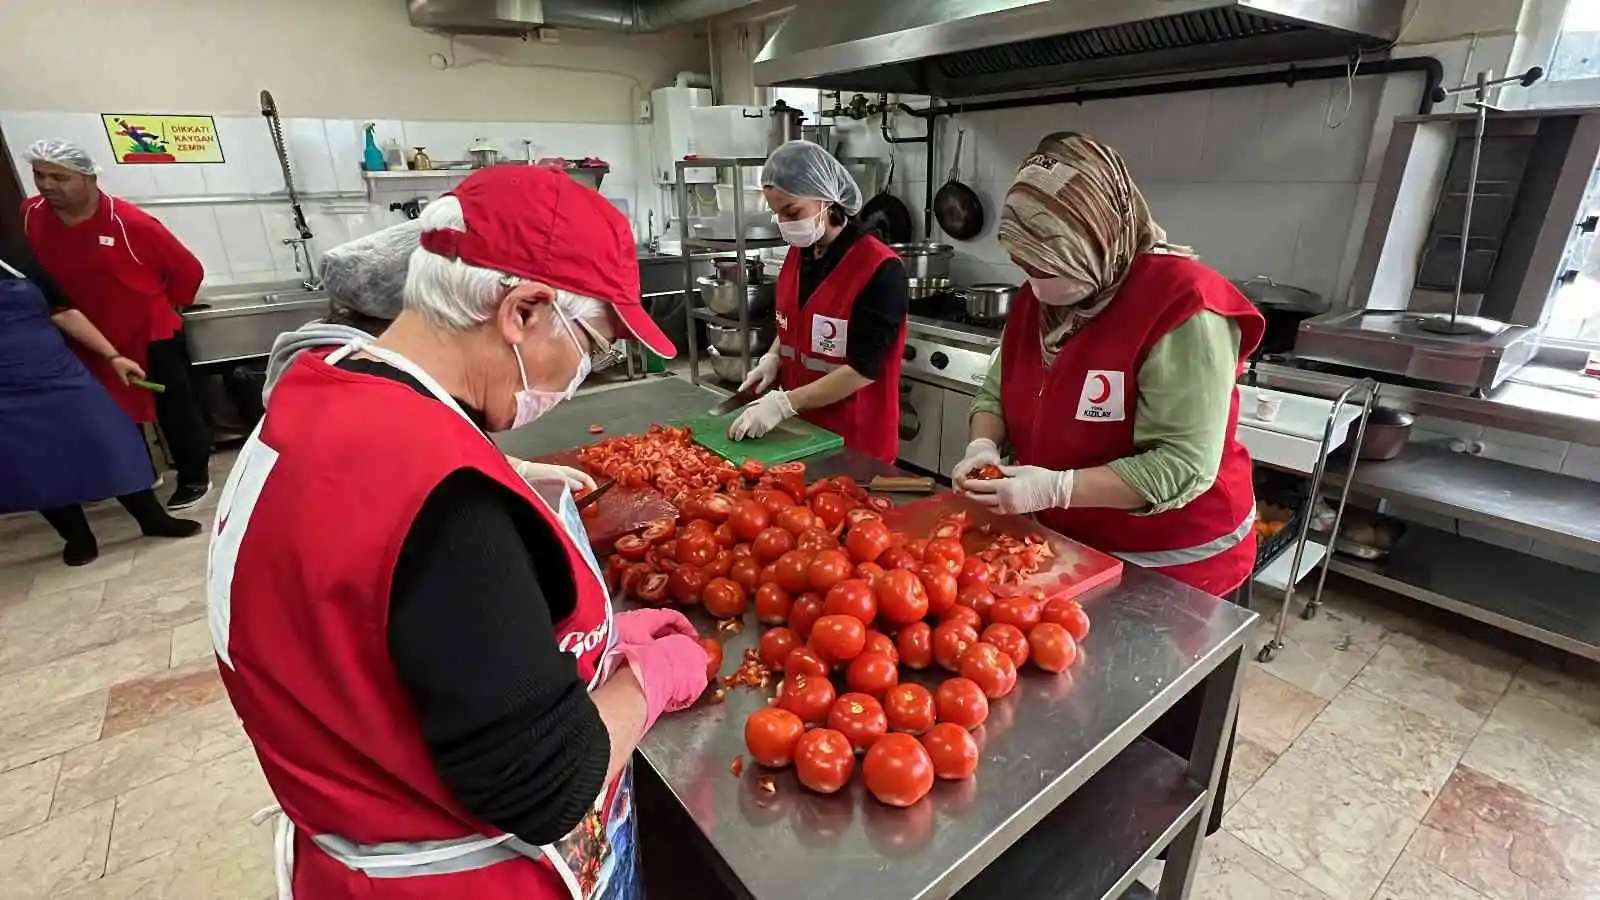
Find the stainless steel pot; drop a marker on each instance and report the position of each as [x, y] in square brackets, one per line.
[925, 259]
[730, 341]
[988, 303]
[722, 295]
[784, 125]
[922, 288]
[1284, 307]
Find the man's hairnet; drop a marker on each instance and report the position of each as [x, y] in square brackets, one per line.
[367, 275]
[808, 170]
[63, 153]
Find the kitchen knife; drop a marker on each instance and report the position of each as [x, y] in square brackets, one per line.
[589, 498]
[738, 400]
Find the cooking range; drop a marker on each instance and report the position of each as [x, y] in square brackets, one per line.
[944, 363]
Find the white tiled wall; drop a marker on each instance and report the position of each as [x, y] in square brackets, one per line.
[243, 242]
[1254, 178]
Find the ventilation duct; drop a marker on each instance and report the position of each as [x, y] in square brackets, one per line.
[512, 17]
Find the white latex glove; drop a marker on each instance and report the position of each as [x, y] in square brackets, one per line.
[1025, 489]
[981, 452]
[762, 416]
[762, 374]
[544, 473]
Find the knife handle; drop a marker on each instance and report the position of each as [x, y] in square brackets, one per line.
[901, 484]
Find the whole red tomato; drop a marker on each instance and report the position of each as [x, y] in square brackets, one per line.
[830, 508]
[716, 508]
[872, 673]
[964, 615]
[770, 734]
[804, 613]
[769, 574]
[915, 643]
[897, 770]
[773, 605]
[794, 571]
[945, 552]
[721, 565]
[917, 547]
[897, 558]
[723, 598]
[775, 646]
[953, 750]
[901, 597]
[713, 658]
[1069, 614]
[1019, 611]
[860, 718]
[837, 639]
[909, 708]
[828, 568]
[724, 536]
[695, 549]
[950, 641]
[699, 526]
[973, 571]
[939, 585]
[686, 584]
[770, 545]
[1009, 638]
[774, 502]
[746, 573]
[866, 540]
[801, 661]
[1054, 650]
[748, 520]
[961, 702]
[869, 572]
[807, 696]
[796, 520]
[853, 597]
[824, 761]
[815, 539]
[984, 665]
[878, 642]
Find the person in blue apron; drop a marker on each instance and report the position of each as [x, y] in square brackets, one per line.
[420, 643]
[63, 440]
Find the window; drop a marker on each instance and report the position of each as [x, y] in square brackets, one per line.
[1577, 52]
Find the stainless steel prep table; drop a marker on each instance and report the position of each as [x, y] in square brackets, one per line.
[1069, 800]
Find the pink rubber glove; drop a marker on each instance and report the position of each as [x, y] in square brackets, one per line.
[671, 671]
[641, 626]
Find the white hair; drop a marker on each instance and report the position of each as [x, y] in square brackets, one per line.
[457, 295]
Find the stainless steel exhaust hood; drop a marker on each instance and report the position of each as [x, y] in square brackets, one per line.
[963, 48]
[514, 17]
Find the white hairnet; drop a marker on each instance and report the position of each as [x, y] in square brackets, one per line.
[368, 274]
[63, 153]
[808, 170]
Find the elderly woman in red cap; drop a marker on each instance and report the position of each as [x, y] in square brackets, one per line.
[420, 646]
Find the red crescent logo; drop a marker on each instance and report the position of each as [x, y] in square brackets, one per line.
[1104, 393]
[830, 330]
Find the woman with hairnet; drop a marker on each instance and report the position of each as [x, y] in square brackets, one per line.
[841, 311]
[421, 648]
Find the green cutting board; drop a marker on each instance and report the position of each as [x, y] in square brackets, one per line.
[794, 439]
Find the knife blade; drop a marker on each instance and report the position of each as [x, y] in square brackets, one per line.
[735, 401]
[589, 498]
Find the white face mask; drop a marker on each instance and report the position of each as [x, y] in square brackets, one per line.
[531, 403]
[1059, 291]
[804, 232]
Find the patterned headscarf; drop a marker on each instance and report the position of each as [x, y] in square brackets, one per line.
[1074, 212]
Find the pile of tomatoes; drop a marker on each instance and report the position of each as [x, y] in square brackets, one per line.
[852, 603]
[665, 457]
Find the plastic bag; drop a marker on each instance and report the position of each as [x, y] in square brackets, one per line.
[368, 275]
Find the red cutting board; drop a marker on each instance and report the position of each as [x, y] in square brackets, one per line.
[1076, 569]
[620, 511]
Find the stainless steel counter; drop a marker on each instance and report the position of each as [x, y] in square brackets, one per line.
[1061, 756]
[236, 322]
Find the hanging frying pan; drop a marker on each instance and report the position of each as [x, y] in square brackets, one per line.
[887, 214]
[956, 206]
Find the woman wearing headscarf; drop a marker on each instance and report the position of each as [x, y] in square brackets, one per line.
[1114, 384]
[841, 310]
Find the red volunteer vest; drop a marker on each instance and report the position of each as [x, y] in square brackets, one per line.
[812, 340]
[99, 269]
[1078, 413]
[310, 526]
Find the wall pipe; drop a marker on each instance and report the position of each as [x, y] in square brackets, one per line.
[1430, 68]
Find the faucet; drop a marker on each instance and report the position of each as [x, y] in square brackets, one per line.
[652, 241]
[302, 245]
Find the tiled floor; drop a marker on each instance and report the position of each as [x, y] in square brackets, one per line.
[1380, 755]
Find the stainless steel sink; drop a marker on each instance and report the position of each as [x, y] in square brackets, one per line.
[238, 322]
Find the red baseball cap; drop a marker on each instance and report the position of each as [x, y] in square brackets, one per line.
[539, 224]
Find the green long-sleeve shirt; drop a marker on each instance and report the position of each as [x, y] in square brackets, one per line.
[1185, 387]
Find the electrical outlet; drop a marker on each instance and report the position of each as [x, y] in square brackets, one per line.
[644, 111]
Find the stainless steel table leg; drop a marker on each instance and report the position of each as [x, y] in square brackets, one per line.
[1218, 710]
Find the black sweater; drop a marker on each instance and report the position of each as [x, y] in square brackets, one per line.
[480, 582]
[880, 309]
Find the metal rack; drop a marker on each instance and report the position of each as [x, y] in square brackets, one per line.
[1367, 388]
[740, 246]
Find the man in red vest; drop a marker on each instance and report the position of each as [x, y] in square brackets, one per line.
[129, 276]
[841, 309]
[420, 646]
